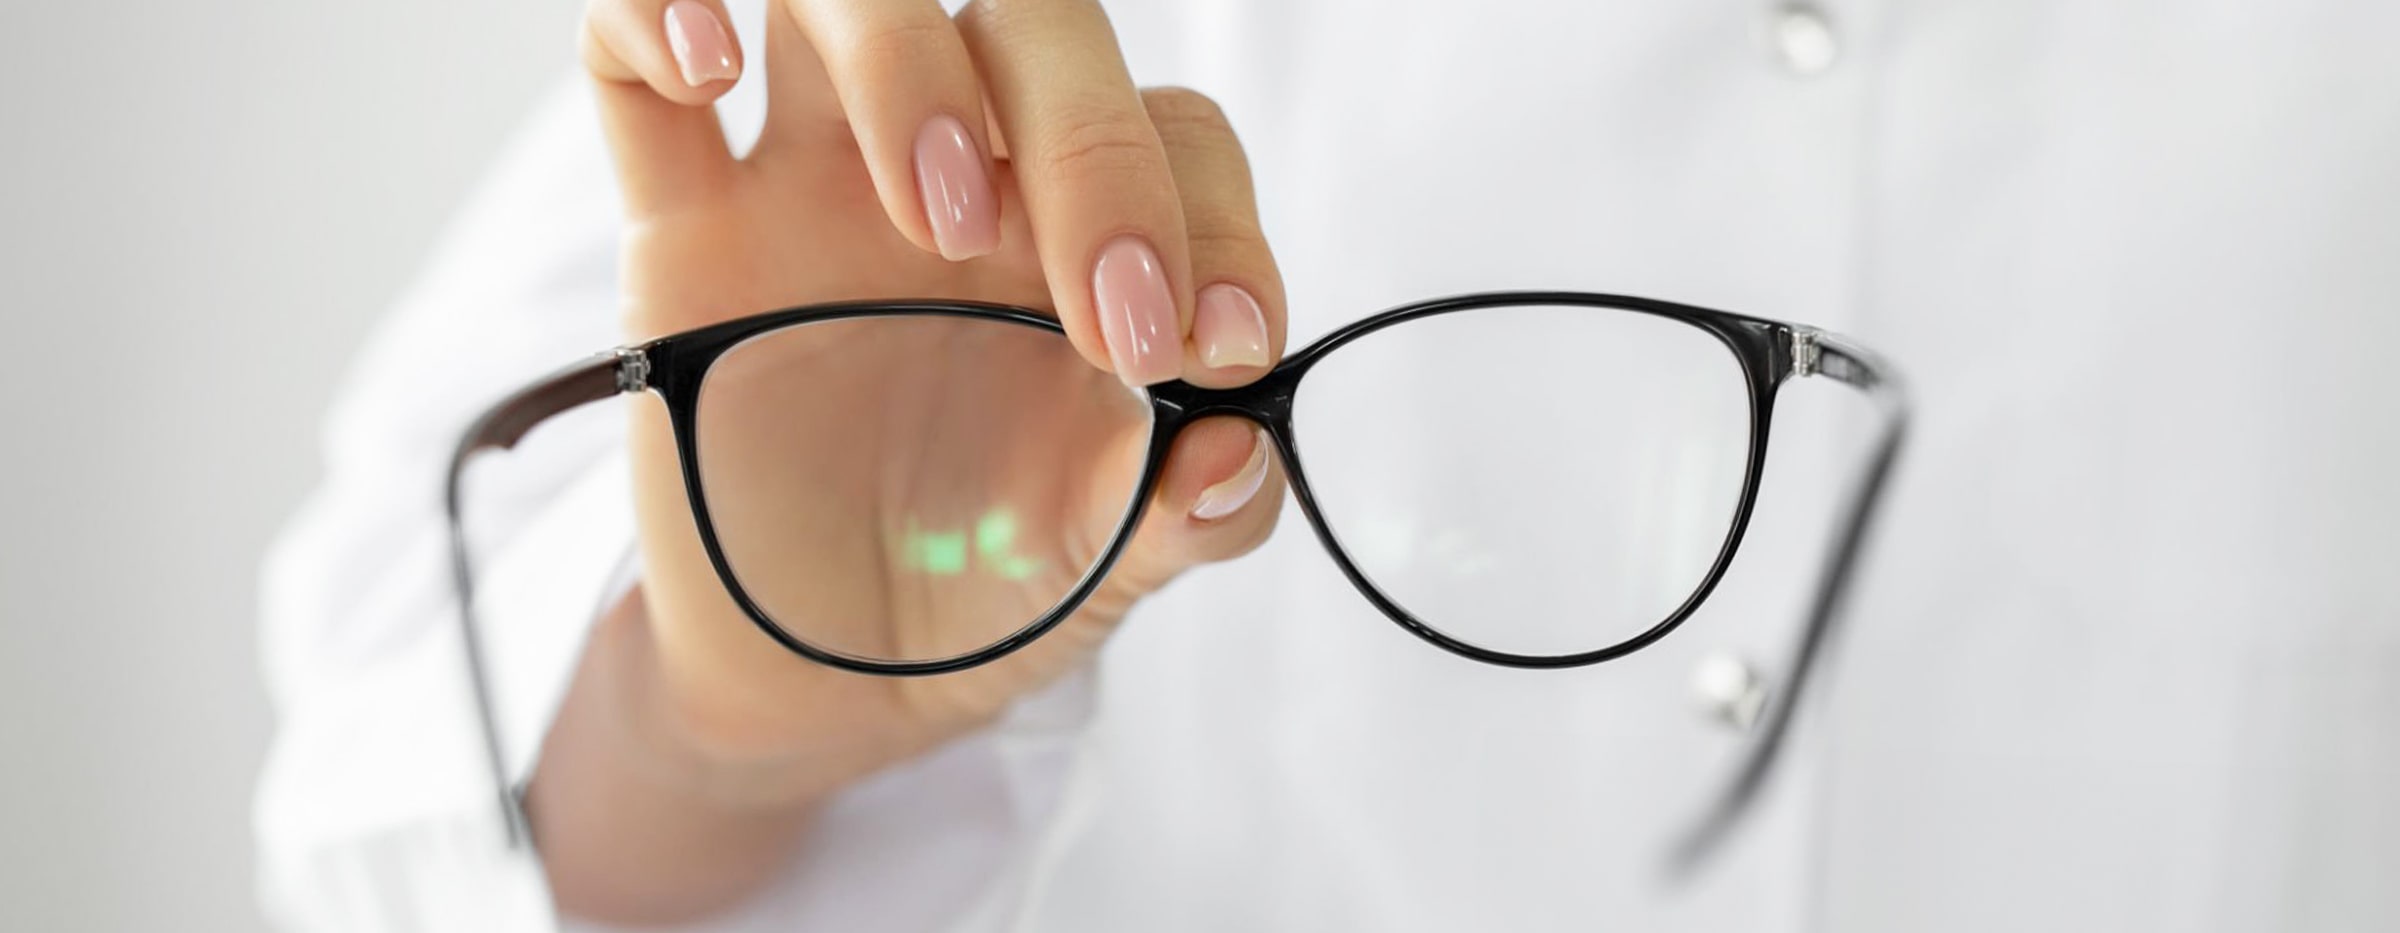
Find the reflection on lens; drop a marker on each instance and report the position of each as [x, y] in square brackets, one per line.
[1535, 480]
[913, 488]
[947, 554]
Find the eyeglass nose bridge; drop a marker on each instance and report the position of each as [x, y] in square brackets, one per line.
[1267, 401]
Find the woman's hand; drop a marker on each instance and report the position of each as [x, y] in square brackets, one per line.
[1128, 212]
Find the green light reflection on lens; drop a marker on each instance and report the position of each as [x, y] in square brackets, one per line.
[941, 554]
[945, 553]
[993, 536]
[995, 531]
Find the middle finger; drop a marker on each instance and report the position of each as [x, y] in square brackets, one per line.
[907, 93]
[1097, 186]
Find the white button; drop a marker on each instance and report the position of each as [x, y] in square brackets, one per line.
[1729, 689]
[1803, 38]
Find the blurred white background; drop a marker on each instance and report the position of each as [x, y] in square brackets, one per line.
[180, 293]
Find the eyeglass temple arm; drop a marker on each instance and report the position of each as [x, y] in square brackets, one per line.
[1833, 356]
[499, 428]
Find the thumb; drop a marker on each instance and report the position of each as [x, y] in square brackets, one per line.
[1217, 499]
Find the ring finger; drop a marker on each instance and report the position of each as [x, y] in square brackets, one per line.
[1238, 317]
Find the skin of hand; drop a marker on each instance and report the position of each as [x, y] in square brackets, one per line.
[1002, 155]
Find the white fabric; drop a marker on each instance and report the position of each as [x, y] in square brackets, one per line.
[2123, 656]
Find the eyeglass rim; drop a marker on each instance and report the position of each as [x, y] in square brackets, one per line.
[680, 369]
[679, 365]
[1754, 344]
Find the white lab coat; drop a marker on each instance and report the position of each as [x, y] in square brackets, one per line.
[2123, 658]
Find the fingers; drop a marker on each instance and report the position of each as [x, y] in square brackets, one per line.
[1139, 206]
[658, 65]
[1223, 486]
[1238, 318]
[1095, 179]
[909, 96]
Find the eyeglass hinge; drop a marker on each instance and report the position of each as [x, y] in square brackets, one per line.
[1804, 351]
[633, 369]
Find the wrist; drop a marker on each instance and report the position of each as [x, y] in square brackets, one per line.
[774, 734]
[638, 826]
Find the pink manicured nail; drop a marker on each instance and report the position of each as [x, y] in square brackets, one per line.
[1228, 497]
[959, 202]
[1137, 313]
[702, 47]
[1230, 328]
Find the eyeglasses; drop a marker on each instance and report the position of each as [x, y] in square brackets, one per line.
[1528, 479]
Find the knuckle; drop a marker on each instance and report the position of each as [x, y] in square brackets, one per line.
[1097, 142]
[992, 16]
[897, 45]
[1184, 109]
[1224, 235]
[1016, 21]
[1199, 139]
[592, 47]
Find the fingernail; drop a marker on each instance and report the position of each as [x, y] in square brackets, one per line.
[958, 195]
[703, 49]
[1230, 328]
[1228, 497]
[1137, 313]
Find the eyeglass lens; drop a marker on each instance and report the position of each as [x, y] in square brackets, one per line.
[1532, 480]
[913, 488]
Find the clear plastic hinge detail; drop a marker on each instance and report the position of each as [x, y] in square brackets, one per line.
[1805, 354]
[633, 370]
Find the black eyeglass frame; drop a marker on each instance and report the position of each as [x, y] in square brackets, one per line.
[1769, 353]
